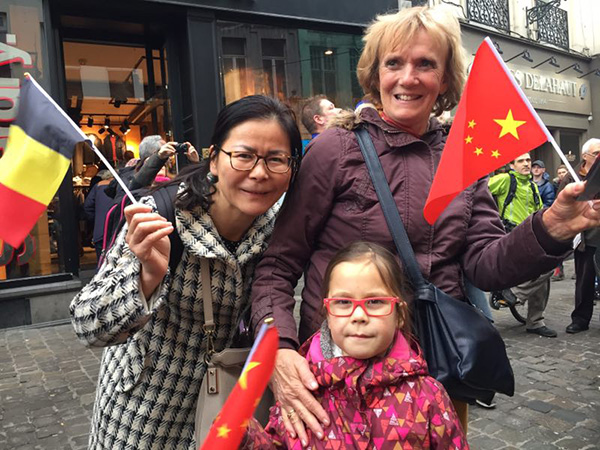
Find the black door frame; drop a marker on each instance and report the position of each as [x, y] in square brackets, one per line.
[154, 24]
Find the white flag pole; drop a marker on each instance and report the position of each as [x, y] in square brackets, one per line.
[564, 159]
[85, 138]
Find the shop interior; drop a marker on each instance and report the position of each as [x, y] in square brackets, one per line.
[117, 94]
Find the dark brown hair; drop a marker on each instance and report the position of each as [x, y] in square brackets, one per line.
[386, 264]
[312, 107]
[198, 189]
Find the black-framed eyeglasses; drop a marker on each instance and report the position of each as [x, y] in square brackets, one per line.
[373, 307]
[246, 161]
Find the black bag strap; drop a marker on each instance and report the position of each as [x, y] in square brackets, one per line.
[390, 209]
[512, 190]
[164, 198]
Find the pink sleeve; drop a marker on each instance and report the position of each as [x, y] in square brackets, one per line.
[445, 430]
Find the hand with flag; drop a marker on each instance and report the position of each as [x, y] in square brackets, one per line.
[231, 423]
[494, 124]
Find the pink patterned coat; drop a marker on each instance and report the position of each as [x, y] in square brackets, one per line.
[383, 404]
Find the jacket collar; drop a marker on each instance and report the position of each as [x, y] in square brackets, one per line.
[201, 238]
[398, 138]
[520, 177]
[341, 373]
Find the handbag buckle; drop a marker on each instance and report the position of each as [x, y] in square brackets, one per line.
[209, 330]
[212, 380]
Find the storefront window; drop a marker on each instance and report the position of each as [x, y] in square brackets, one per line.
[290, 65]
[23, 49]
[118, 97]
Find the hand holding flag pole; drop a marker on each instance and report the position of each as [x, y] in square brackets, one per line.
[494, 124]
[85, 138]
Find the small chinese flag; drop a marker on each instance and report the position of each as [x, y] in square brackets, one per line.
[494, 124]
[228, 429]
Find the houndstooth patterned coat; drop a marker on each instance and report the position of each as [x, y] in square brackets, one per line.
[152, 368]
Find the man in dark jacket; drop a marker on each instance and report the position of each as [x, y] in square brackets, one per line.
[95, 207]
[542, 179]
[585, 269]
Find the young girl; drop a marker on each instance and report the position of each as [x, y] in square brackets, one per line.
[373, 381]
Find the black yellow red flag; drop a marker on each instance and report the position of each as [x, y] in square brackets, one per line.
[40, 146]
[228, 429]
[494, 124]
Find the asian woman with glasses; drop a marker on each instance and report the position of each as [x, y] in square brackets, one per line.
[151, 318]
[372, 378]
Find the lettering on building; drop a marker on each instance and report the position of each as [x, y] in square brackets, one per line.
[10, 88]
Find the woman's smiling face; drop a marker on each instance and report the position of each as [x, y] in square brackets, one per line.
[251, 193]
[410, 80]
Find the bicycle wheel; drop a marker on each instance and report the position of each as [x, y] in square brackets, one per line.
[519, 311]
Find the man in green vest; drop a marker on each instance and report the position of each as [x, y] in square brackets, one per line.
[518, 197]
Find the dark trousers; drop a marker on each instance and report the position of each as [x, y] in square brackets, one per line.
[584, 286]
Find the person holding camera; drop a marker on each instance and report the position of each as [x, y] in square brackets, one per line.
[154, 154]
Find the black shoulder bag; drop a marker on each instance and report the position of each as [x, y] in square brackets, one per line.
[462, 348]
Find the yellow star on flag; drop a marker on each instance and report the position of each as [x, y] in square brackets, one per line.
[495, 154]
[223, 431]
[244, 376]
[509, 125]
[478, 151]
[472, 124]
[469, 139]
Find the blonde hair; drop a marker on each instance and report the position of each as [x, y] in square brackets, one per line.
[392, 30]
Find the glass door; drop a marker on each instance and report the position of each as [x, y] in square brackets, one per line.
[118, 95]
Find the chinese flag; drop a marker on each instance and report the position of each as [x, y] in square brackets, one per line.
[228, 429]
[494, 124]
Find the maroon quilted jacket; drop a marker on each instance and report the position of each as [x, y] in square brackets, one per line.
[334, 203]
[383, 404]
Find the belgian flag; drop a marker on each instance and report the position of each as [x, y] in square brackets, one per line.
[41, 143]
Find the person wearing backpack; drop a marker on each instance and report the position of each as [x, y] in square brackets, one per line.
[518, 197]
[96, 206]
[145, 304]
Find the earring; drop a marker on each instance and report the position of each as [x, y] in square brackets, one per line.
[212, 178]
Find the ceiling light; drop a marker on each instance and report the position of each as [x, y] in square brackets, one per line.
[90, 122]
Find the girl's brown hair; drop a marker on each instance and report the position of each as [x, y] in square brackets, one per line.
[386, 264]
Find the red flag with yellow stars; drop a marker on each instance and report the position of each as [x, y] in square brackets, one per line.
[494, 124]
[228, 429]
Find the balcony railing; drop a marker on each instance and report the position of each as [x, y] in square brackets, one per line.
[489, 12]
[552, 23]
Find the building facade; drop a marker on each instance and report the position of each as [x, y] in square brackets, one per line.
[552, 48]
[125, 70]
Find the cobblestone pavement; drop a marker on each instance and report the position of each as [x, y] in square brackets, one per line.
[47, 383]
